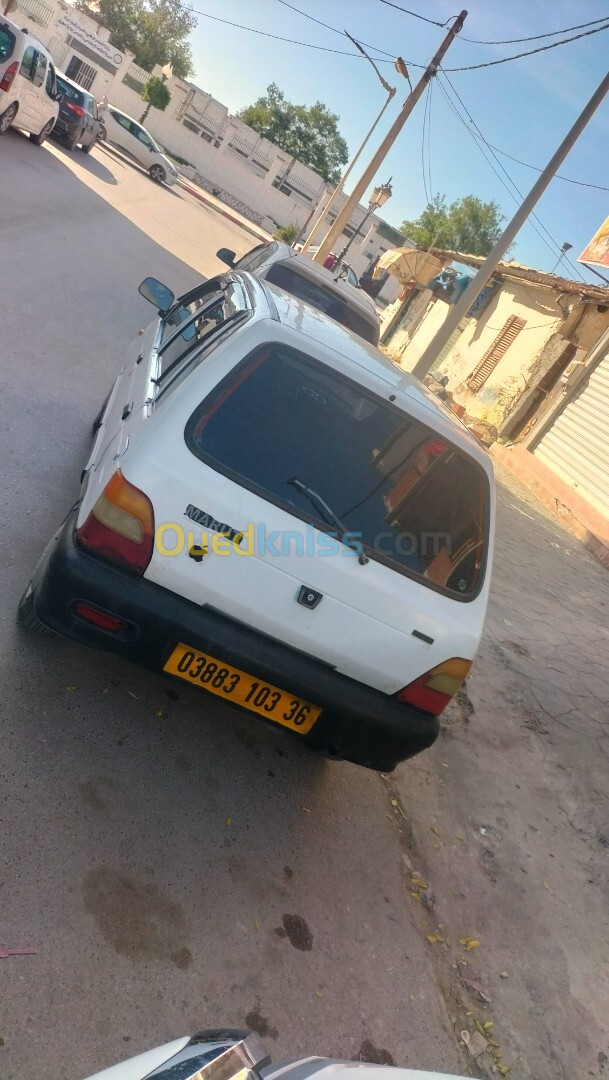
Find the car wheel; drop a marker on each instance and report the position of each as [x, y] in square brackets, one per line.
[88, 148]
[71, 144]
[102, 136]
[157, 173]
[7, 118]
[46, 131]
[26, 614]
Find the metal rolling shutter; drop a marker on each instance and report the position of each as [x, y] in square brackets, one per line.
[577, 444]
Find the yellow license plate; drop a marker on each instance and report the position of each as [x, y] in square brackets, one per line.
[254, 694]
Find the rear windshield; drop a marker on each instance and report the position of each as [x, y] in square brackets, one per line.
[70, 93]
[7, 42]
[282, 423]
[324, 300]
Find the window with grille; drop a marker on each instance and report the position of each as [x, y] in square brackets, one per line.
[493, 355]
[82, 73]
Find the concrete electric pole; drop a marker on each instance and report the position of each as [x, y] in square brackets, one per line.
[337, 227]
[450, 324]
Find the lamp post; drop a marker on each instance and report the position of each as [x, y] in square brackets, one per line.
[379, 197]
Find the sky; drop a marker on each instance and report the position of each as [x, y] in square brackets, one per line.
[524, 107]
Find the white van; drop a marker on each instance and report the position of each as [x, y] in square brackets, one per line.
[278, 515]
[28, 89]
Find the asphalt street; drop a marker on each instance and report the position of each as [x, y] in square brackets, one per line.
[176, 864]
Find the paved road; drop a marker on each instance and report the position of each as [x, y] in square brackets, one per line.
[152, 840]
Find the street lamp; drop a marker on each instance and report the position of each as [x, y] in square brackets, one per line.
[379, 197]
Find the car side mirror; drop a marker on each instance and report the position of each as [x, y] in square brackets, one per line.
[59, 97]
[227, 256]
[157, 294]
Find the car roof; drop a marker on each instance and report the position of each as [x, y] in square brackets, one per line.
[410, 393]
[315, 272]
[30, 38]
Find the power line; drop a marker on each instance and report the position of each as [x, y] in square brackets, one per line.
[293, 41]
[414, 14]
[334, 29]
[567, 179]
[530, 52]
[553, 247]
[504, 170]
[533, 37]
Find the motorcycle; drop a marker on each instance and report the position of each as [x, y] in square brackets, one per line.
[227, 1054]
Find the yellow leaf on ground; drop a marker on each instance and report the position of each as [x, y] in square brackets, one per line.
[433, 938]
[459, 836]
[419, 882]
[320, 993]
[71, 689]
[435, 829]
[229, 821]
[256, 922]
[159, 712]
[487, 1025]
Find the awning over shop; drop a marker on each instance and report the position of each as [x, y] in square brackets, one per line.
[409, 264]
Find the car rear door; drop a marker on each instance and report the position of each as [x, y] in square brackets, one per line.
[27, 116]
[231, 483]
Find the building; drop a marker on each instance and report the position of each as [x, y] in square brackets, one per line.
[530, 358]
[216, 150]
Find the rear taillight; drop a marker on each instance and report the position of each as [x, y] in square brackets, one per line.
[103, 619]
[433, 691]
[7, 79]
[75, 108]
[120, 527]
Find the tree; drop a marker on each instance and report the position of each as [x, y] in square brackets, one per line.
[309, 134]
[468, 225]
[156, 31]
[156, 94]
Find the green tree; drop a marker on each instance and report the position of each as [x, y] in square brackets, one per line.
[468, 225]
[309, 133]
[156, 94]
[156, 31]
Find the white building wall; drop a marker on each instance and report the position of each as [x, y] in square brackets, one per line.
[230, 159]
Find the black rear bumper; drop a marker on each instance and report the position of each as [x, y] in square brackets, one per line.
[357, 722]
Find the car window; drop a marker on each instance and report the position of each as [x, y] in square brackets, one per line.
[256, 257]
[70, 93]
[195, 321]
[332, 304]
[7, 43]
[89, 104]
[141, 135]
[28, 63]
[408, 498]
[124, 121]
[40, 69]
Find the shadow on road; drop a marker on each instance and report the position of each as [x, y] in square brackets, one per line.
[87, 161]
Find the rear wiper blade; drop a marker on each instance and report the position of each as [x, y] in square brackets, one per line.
[330, 517]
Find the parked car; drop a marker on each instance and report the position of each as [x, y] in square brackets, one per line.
[134, 140]
[281, 265]
[29, 98]
[275, 513]
[77, 121]
[240, 1055]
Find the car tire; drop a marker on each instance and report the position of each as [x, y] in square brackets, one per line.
[43, 135]
[157, 173]
[103, 135]
[71, 144]
[26, 614]
[88, 148]
[7, 118]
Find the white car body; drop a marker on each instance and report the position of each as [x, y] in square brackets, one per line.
[135, 141]
[210, 1055]
[27, 83]
[285, 268]
[325, 405]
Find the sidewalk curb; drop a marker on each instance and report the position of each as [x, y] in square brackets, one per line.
[574, 512]
[197, 194]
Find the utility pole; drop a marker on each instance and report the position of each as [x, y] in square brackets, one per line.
[428, 358]
[337, 227]
[326, 203]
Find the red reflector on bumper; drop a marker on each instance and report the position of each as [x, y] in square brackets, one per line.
[112, 623]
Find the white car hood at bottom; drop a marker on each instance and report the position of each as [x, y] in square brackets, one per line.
[171, 1053]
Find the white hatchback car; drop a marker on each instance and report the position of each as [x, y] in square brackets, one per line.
[29, 98]
[137, 143]
[276, 514]
[326, 290]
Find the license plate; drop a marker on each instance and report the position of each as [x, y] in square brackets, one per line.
[235, 685]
